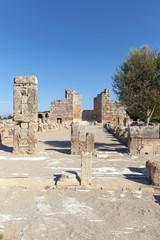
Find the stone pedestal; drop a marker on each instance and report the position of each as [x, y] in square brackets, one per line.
[25, 115]
[153, 172]
[80, 140]
[86, 169]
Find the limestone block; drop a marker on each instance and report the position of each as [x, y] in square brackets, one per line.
[153, 172]
[68, 179]
[90, 142]
[25, 115]
[144, 132]
[86, 169]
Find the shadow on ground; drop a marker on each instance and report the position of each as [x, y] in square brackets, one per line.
[157, 199]
[111, 147]
[6, 148]
[59, 146]
[139, 178]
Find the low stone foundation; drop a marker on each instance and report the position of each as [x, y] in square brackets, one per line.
[144, 140]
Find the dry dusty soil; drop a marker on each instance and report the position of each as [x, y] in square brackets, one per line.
[119, 205]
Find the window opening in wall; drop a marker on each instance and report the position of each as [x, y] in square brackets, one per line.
[59, 120]
[40, 115]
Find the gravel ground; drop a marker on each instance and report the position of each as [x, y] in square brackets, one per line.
[120, 205]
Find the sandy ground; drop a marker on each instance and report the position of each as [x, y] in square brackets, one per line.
[120, 205]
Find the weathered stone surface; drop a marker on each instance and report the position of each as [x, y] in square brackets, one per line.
[68, 179]
[81, 141]
[68, 110]
[25, 115]
[86, 169]
[144, 132]
[144, 140]
[153, 172]
[106, 110]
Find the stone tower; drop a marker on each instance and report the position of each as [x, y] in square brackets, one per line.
[25, 115]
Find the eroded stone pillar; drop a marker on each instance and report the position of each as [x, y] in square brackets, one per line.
[86, 169]
[25, 115]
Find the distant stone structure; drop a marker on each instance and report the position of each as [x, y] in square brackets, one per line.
[68, 110]
[86, 169]
[144, 140]
[25, 115]
[106, 110]
[81, 141]
[6, 131]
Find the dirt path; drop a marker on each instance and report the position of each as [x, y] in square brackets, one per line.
[120, 205]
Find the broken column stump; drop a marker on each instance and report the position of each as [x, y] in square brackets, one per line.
[25, 115]
[81, 141]
[153, 172]
[86, 169]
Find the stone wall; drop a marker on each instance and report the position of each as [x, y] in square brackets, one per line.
[106, 110]
[6, 131]
[144, 140]
[81, 141]
[68, 110]
[25, 115]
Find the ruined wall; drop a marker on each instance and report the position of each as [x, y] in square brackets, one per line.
[144, 140]
[88, 115]
[106, 110]
[98, 108]
[25, 115]
[68, 110]
[6, 131]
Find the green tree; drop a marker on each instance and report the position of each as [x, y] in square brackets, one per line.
[10, 117]
[137, 83]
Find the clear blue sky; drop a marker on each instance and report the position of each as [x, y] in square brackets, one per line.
[73, 44]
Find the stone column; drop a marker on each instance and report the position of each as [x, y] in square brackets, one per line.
[86, 169]
[74, 139]
[25, 115]
[90, 142]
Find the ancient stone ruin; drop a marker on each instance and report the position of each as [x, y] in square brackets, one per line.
[81, 141]
[144, 140]
[6, 131]
[106, 110]
[153, 172]
[68, 110]
[25, 115]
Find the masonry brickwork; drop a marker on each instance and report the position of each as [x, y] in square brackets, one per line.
[106, 110]
[25, 115]
[144, 140]
[68, 110]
